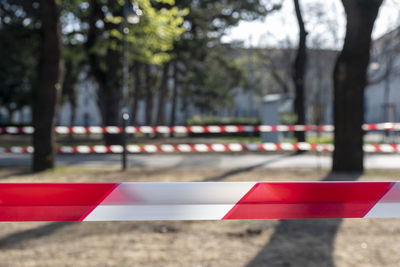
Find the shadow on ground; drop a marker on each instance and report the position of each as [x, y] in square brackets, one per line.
[302, 242]
[16, 173]
[236, 171]
[18, 238]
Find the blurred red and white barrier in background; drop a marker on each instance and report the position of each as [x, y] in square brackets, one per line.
[186, 148]
[195, 129]
[197, 201]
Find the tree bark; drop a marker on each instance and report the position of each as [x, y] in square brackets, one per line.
[299, 73]
[48, 91]
[162, 94]
[350, 78]
[149, 95]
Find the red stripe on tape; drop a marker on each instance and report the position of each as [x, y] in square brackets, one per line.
[50, 202]
[308, 200]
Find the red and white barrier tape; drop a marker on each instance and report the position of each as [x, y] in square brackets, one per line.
[185, 148]
[197, 201]
[194, 129]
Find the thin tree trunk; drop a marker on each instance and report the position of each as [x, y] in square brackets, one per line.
[174, 97]
[149, 95]
[162, 94]
[10, 114]
[72, 117]
[110, 99]
[137, 89]
[70, 80]
[49, 86]
[349, 83]
[299, 73]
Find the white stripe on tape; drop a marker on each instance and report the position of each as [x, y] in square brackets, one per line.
[116, 149]
[100, 149]
[235, 147]
[201, 148]
[180, 129]
[388, 206]
[28, 129]
[269, 146]
[185, 201]
[62, 130]
[167, 148]
[218, 147]
[83, 149]
[231, 129]
[146, 129]
[133, 148]
[130, 130]
[184, 148]
[214, 129]
[12, 130]
[150, 148]
[112, 129]
[163, 129]
[78, 130]
[66, 149]
[95, 130]
[197, 129]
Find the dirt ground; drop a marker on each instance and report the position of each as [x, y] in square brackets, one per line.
[349, 242]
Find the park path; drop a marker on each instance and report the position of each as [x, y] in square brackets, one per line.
[275, 161]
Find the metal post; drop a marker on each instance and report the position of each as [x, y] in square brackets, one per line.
[125, 118]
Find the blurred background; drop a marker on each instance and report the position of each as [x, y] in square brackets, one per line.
[87, 86]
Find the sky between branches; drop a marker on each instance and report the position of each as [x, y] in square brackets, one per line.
[324, 19]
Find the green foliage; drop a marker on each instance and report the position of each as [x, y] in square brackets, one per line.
[150, 40]
[211, 84]
[288, 118]
[18, 50]
[153, 38]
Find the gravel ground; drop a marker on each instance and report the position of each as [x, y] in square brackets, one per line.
[349, 242]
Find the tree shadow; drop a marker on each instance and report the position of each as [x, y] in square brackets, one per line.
[245, 169]
[15, 239]
[17, 173]
[308, 242]
[54, 232]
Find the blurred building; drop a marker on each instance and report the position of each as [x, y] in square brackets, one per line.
[383, 92]
[87, 111]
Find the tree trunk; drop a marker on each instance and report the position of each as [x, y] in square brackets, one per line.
[110, 96]
[162, 94]
[149, 95]
[174, 97]
[349, 83]
[48, 91]
[108, 78]
[299, 73]
[136, 94]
